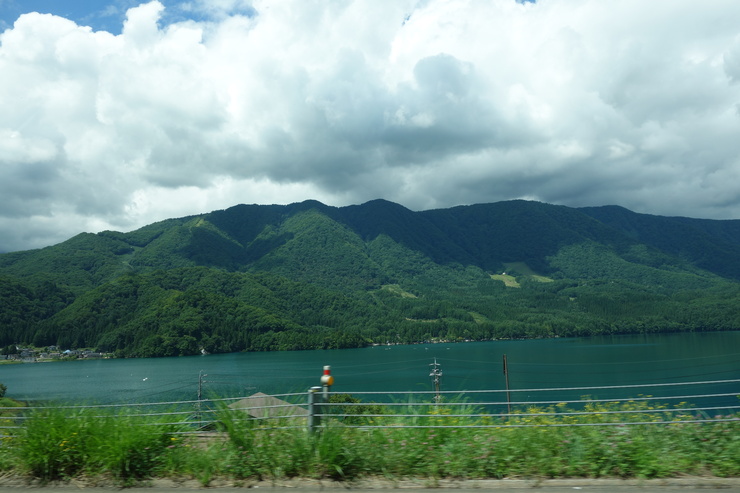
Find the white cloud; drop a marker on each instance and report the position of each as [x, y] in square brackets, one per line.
[430, 104]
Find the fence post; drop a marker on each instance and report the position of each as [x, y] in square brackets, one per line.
[314, 417]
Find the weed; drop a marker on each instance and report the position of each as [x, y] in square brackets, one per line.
[454, 441]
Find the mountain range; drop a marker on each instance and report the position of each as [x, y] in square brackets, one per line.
[308, 275]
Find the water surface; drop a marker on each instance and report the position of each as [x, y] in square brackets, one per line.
[533, 364]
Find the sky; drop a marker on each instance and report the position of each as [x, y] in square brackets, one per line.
[115, 113]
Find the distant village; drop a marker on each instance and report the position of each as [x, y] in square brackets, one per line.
[20, 354]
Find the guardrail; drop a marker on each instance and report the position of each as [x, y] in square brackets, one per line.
[426, 409]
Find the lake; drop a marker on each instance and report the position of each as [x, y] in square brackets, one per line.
[533, 364]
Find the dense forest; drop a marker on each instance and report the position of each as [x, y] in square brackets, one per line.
[307, 275]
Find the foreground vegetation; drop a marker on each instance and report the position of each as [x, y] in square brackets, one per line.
[61, 444]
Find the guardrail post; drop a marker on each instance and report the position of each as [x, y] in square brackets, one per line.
[314, 411]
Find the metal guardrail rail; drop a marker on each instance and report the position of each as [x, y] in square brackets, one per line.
[426, 409]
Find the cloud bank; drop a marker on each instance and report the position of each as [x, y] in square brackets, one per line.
[429, 104]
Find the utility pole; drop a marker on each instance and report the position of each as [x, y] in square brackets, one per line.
[200, 384]
[200, 394]
[436, 374]
[506, 375]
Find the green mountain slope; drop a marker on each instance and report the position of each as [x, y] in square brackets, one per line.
[710, 245]
[308, 275]
[494, 234]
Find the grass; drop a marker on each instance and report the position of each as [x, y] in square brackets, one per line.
[59, 443]
[66, 443]
[509, 281]
[397, 290]
[522, 269]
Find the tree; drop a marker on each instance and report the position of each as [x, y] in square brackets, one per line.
[11, 349]
[353, 408]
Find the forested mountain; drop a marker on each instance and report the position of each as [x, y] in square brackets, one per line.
[307, 275]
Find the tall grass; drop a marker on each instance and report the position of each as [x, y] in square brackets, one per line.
[58, 443]
[62, 443]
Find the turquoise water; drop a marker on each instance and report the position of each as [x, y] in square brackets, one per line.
[533, 364]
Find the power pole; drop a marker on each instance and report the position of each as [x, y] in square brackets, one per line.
[200, 394]
[436, 374]
[506, 375]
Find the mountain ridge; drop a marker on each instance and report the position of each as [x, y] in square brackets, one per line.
[272, 277]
